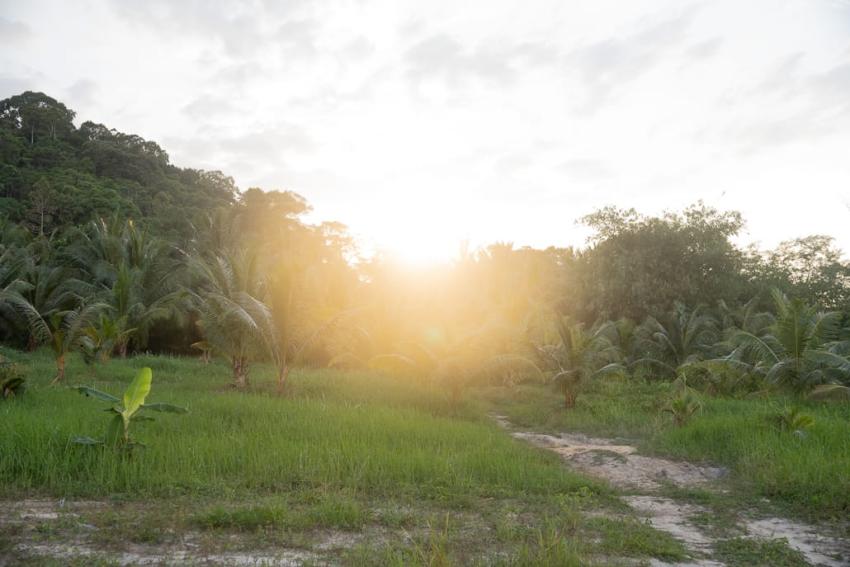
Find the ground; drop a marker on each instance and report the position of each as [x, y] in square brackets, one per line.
[362, 469]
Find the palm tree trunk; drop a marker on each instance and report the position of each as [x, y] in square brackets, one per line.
[569, 398]
[240, 371]
[60, 369]
[32, 343]
[282, 377]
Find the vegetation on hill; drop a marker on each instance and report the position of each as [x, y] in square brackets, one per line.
[355, 376]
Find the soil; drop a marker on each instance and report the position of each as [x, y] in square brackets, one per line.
[644, 477]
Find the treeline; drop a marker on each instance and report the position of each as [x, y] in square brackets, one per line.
[107, 249]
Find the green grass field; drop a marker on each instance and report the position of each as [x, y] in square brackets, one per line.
[809, 475]
[433, 482]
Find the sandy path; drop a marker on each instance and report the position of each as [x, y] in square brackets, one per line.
[644, 476]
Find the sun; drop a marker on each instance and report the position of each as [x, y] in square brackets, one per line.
[415, 242]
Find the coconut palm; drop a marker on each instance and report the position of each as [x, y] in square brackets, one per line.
[64, 331]
[14, 307]
[233, 317]
[134, 274]
[579, 355]
[683, 336]
[802, 348]
[50, 289]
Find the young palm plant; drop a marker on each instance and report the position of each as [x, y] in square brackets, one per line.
[800, 350]
[579, 355]
[683, 337]
[131, 272]
[65, 331]
[233, 317]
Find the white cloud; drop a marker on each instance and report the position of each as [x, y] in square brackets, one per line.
[492, 120]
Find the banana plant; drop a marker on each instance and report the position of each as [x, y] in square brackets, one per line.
[133, 403]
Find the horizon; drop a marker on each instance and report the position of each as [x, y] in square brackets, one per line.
[430, 126]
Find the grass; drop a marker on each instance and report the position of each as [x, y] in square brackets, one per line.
[402, 440]
[806, 474]
[746, 552]
[359, 453]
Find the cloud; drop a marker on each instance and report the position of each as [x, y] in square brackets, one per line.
[11, 85]
[270, 143]
[586, 169]
[606, 66]
[297, 38]
[206, 106]
[243, 29]
[12, 31]
[443, 57]
[82, 92]
[704, 49]
[792, 106]
[358, 48]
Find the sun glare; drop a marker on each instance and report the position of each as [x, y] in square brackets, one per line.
[418, 249]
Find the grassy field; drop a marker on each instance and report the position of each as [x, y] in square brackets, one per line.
[410, 477]
[809, 475]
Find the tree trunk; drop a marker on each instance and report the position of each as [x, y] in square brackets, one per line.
[240, 371]
[32, 343]
[569, 398]
[60, 369]
[282, 377]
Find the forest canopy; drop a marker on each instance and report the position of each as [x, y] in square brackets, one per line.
[111, 248]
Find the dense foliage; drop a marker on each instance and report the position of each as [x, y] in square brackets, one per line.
[107, 248]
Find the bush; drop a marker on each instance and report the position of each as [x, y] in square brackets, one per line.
[12, 382]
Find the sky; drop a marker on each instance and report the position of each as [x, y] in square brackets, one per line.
[424, 124]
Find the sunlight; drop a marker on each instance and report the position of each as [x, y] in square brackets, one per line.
[418, 250]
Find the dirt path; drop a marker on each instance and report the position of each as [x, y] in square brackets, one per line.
[643, 478]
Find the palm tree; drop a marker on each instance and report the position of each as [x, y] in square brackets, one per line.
[579, 355]
[13, 285]
[132, 273]
[683, 337]
[64, 331]
[50, 290]
[801, 349]
[233, 318]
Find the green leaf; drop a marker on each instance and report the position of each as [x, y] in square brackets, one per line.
[86, 441]
[93, 393]
[115, 432]
[136, 393]
[163, 407]
[830, 392]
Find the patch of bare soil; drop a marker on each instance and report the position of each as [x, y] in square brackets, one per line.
[162, 555]
[816, 547]
[620, 464]
[622, 467]
[53, 529]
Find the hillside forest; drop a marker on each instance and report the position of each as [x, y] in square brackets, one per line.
[107, 248]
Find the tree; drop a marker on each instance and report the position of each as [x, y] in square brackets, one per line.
[42, 205]
[233, 318]
[639, 266]
[64, 331]
[683, 336]
[579, 355]
[37, 116]
[802, 349]
[133, 273]
[809, 267]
